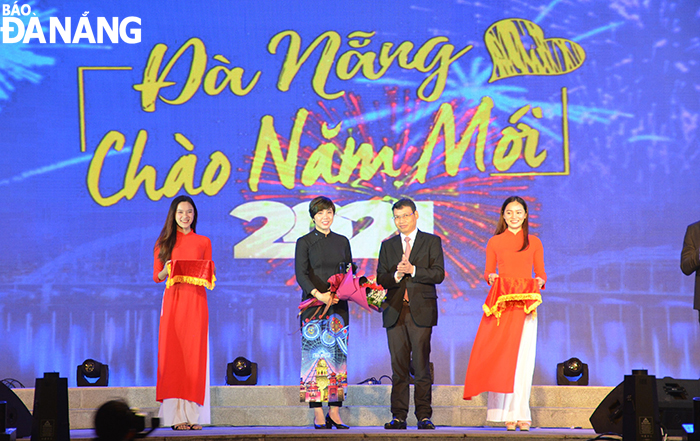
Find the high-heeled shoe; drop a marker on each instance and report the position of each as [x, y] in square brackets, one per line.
[322, 426]
[524, 426]
[330, 423]
[511, 425]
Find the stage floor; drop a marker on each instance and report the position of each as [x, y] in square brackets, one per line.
[356, 433]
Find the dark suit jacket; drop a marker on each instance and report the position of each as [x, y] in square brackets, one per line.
[690, 261]
[426, 256]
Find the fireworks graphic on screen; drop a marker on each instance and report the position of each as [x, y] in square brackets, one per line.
[466, 206]
[18, 62]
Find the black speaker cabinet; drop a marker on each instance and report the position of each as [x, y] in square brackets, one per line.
[676, 403]
[18, 415]
[636, 407]
[607, 417]
[640, 409]
[51, 409]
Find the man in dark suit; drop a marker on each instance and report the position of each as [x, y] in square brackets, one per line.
[690, 260]
[410, 265]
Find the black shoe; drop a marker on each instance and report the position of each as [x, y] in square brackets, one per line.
[425, 423]
[322, 426]
[395, 424]
[330, 423]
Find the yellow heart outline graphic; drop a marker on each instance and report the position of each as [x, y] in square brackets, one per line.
[548, 56]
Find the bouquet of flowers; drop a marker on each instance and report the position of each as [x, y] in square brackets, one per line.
[375, 293]
[361, 290]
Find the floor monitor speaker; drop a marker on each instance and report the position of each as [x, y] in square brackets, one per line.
[18, 415]
[607, 417]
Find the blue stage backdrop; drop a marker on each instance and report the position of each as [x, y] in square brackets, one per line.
[589, 109]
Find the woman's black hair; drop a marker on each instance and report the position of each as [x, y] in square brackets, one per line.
[502, 226]
[320, 203]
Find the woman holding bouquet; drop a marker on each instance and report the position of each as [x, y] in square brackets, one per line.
[324, 329]
[503, 355]
[183, 352]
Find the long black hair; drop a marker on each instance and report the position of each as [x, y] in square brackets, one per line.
[168, 235]
[502, 226]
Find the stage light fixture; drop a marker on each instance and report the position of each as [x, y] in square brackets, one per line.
[572, 372]
[242, 371]
[93, 373]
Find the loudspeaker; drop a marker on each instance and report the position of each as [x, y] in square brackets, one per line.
[640, 409]
[676, 403]
[17, 413]
[51, 409]
[5, 433]
[631, 406]
[607, 417]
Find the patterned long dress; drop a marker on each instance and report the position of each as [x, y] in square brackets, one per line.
[324, 340]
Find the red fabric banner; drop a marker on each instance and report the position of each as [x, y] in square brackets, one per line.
[192, 272]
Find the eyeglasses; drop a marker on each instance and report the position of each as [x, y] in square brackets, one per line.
[403, 216]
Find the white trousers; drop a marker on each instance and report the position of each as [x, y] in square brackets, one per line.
[516, 406]
[177, 411]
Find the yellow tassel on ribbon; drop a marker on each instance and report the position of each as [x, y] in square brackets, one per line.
[190, 280]
[501, 295]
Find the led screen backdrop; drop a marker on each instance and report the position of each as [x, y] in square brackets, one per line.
[588, 109]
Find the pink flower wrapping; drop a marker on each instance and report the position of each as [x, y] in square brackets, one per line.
[348, 287]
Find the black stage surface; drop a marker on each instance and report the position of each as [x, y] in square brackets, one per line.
[357, 433]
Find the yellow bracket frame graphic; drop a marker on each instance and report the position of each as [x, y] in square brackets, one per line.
[81, 97]
[565, 138]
